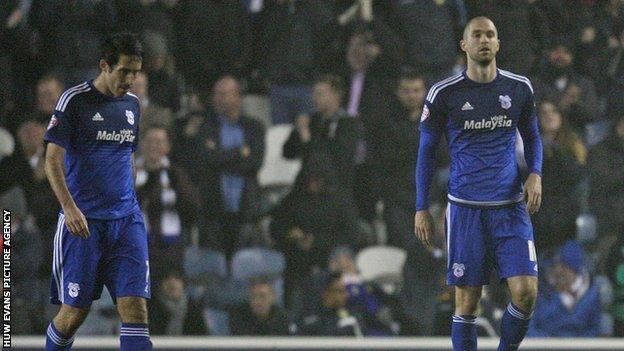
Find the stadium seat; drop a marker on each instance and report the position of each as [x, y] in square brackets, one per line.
[277, 171]
[203, 267]
[382, 264]
[596, 132]
[586, 228]
[258, 262]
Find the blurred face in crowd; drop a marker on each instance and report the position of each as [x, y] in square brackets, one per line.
[172, 288]
[411, 93]
[561, 277]
[155, 145]
[30, 135]
[550, 118]
[480, 41]
[262, 299]
[140, 86]
[356, 53]
[326, 99]
[560, 57]
[120, 78]
[227, 98]
[48, 93]
[335, 296]
[343, 262]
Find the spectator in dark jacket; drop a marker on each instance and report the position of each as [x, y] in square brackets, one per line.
[569, 303]
[606, 162]
[333, 317]
[574, 95]
[169, 200]
[615, 269]
[565, 156]
[261, 316]
[328, 132]
[173, 312]
[230, 151]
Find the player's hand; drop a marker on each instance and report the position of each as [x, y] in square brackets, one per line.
[533, 193]
[75, 221]
[423, 226]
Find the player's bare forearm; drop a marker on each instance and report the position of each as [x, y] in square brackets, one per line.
[533, 192]
[55, 172]
[134, 169]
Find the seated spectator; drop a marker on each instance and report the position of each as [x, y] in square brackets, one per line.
[171, 310]
[168, 199]
[564, 158]
[261, 316]
[310, 222]
[574, 94]
[333, 317]
[606, 162]
[329, 132]
[568, 303]
[48, 91]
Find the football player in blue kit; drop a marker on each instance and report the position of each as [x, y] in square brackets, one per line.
[487, 217]
[100, 238]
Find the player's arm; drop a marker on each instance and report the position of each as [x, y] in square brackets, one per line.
[55, 172]
[533, 154]
[431, 128]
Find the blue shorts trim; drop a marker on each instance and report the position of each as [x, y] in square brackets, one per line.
[114, 255]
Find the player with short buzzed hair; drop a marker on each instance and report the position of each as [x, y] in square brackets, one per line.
[100, 237]
[487, 217]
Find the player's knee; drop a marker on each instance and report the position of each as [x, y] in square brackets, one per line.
[132, 309]
[69, 319]
[525, 296]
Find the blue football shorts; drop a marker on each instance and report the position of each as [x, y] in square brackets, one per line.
[482, 239]
[114, 255]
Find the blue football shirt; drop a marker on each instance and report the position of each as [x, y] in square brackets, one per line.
[480, 122]
[99, 134]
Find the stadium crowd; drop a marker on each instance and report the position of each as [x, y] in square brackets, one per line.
[234, 90]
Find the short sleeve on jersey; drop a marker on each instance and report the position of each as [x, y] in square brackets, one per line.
[432, 119]
[59, 129]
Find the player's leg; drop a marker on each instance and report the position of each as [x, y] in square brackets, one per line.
[517, 264]
[127, 279]
[60, 333]
[74, 283]
[464, 328]
[466, 270]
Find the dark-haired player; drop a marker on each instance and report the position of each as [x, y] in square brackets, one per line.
[100, 237]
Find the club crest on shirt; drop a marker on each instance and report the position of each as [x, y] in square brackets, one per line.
[505, 101]
[425, 113]
[130, 116]
[53, 122]
[458, 269]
